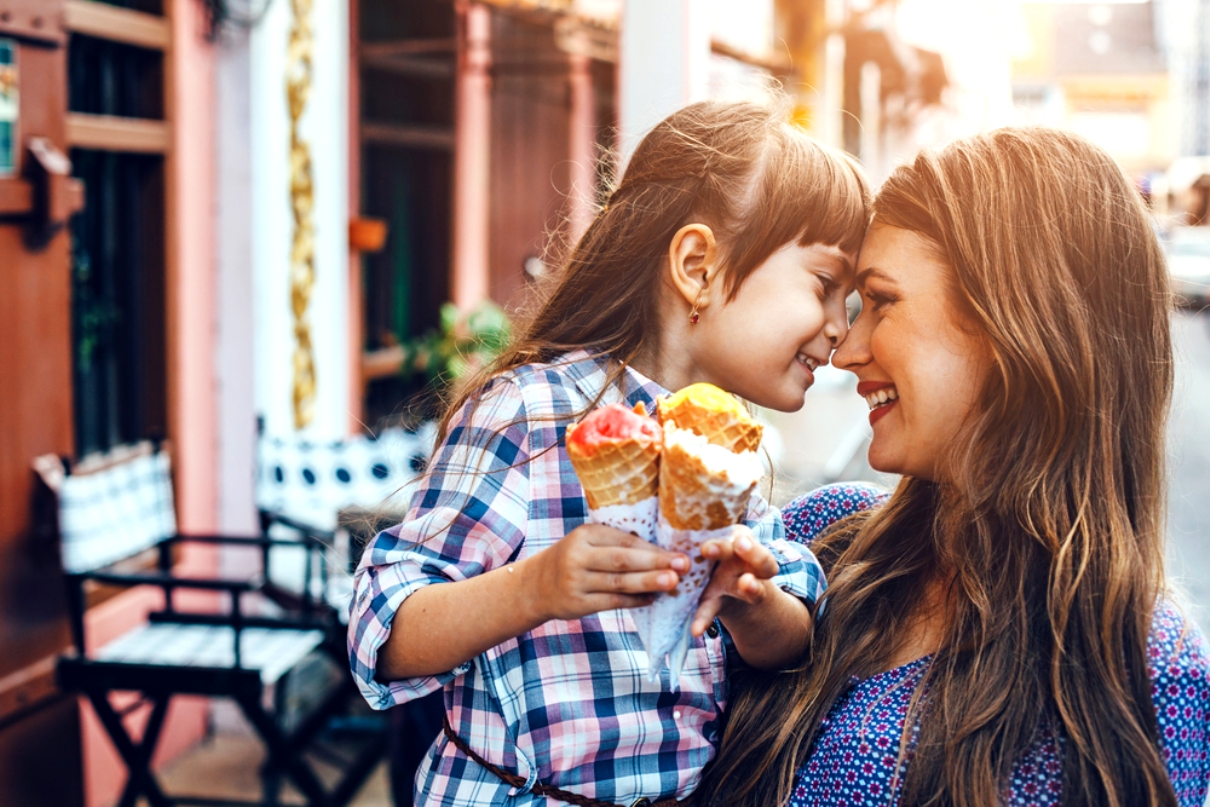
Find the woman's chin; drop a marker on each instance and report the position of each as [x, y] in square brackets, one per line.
[883, 460]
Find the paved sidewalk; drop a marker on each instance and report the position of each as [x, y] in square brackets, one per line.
[226, 765]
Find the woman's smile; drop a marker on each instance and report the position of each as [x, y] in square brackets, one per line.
[881, 396]
[912, 352]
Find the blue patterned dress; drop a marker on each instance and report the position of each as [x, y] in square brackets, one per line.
[855, 761]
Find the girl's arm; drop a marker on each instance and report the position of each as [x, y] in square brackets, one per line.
[770, 627]
[593, 568]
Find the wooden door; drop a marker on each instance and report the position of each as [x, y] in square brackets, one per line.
[39, 727]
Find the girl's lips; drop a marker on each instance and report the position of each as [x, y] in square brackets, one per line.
[810, 373]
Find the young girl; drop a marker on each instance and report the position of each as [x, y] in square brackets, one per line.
[724, 255]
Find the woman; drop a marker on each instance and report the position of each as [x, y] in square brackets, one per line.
[998, 631]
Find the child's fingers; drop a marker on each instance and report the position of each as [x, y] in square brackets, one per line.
[619, 559]
[600, 535]
[754, 554]
[610, 602]
[632, 582]
[707, 610]
[718, 549]
[628, 552]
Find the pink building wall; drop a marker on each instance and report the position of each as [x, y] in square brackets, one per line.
[192, 385]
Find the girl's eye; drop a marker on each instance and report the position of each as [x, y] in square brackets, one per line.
[829, 286]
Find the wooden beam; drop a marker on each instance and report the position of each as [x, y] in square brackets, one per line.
[105, 21]
[774, 64]
[414, 66]
[16, 197]
[418, 137]
[387, 361]
[409, 47]
[110, 133]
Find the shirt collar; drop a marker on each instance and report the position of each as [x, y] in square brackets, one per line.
[589, 372]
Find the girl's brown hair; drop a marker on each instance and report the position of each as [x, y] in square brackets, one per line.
[1050, 518]
[743, 169]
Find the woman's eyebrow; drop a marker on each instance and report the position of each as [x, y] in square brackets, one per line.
[874, 272]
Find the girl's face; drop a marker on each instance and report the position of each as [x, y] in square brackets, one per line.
[919, 364]
[784, 321]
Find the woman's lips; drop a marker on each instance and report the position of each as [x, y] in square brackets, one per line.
[882, 396]
[879, 412]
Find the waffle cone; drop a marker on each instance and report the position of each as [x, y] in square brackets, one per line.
[733, 430]
[624, 472]
[691, 498]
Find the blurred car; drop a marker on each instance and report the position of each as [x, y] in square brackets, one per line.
[1188, 250]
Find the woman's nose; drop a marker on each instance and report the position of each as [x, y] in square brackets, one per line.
[854, 350]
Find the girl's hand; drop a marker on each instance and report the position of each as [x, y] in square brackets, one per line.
[596, 568]
[740, 580]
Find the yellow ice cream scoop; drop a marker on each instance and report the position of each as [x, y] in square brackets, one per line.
[713, 413]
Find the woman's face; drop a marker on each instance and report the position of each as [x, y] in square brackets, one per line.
[919, 365]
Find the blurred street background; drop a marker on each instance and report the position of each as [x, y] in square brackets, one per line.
[258, 238]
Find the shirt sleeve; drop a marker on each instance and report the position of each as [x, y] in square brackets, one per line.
[799, 573]
[809, 516]
[1180, 689]
[470, 515]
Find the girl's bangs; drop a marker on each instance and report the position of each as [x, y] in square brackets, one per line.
[824, 198]
[807, 194]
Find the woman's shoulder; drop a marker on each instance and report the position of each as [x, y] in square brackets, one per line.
[1180, 690]
[1176, 650]
[807, 517]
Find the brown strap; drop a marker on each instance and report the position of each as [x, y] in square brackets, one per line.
[518, 781]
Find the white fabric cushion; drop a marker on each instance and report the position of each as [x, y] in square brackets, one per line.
[270, 651]
[313, 481]
[115, 513]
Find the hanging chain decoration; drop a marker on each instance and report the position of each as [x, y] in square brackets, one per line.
[302, 253]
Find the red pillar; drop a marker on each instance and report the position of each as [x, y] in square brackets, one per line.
[472, 144]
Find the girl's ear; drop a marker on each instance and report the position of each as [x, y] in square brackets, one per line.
[693, 263]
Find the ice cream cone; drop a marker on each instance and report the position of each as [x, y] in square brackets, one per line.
[618, 471]
[704, 489]
[621, 473]
[713, 413]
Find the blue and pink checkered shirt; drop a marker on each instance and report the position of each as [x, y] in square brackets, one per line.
[567, 704]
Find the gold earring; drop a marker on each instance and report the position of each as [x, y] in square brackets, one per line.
[694, 316]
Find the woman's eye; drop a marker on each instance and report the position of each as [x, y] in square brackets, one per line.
[876, 301]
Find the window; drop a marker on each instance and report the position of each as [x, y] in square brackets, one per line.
[118, 136]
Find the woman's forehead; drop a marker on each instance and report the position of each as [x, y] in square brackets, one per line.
[893, 254]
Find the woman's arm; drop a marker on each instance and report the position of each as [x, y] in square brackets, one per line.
[592, 569]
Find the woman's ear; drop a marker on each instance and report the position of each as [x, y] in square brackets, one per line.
[693, 263]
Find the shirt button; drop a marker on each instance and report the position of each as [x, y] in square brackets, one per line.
[712, 631]
[643, 802]
[676, 715]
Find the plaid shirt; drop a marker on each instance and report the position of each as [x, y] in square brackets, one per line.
[567, 704]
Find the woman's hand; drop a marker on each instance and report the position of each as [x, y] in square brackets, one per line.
[740, 580]
[596, 568]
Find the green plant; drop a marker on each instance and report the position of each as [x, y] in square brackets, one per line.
[464, 342]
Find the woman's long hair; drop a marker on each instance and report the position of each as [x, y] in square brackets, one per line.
[743, 169]
[1050, 516]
